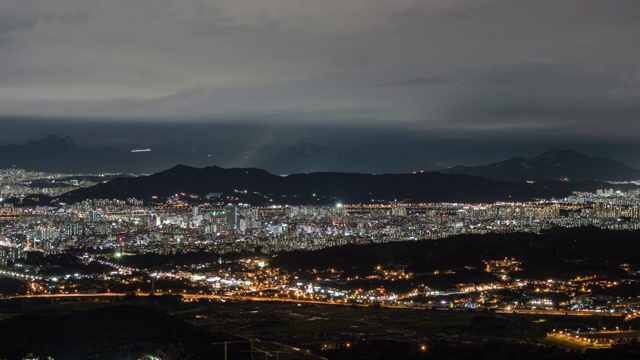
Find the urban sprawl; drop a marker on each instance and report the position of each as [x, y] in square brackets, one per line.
[104, 231]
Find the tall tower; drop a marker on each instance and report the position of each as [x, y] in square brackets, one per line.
[232, 216]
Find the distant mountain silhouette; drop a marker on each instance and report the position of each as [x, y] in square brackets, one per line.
[53, 142]
[290, 159]
[259, 187]
[553, 164]
[60, 154]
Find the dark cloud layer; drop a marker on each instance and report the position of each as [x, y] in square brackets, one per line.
[434, 80]
[459, 81]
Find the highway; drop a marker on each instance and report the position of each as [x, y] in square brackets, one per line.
[223, 298]
[557, 312]
[190, 297]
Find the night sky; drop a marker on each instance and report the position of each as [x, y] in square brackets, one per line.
[448, 81]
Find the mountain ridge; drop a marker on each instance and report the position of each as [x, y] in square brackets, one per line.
[260, 187]
[56, 153]
[551, 164]
[307, 157]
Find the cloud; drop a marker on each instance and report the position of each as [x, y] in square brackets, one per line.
[551, 69]
[419, 81]
[549, 96]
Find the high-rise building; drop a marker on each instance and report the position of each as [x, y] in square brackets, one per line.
[232, 215]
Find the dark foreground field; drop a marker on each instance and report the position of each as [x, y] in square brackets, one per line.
[167, 328]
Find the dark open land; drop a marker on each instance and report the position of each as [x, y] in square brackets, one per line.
[131, 327]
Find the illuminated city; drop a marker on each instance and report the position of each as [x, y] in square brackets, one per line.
[322, 179]
[218, 250]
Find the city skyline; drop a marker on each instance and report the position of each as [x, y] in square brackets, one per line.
[320, 179]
